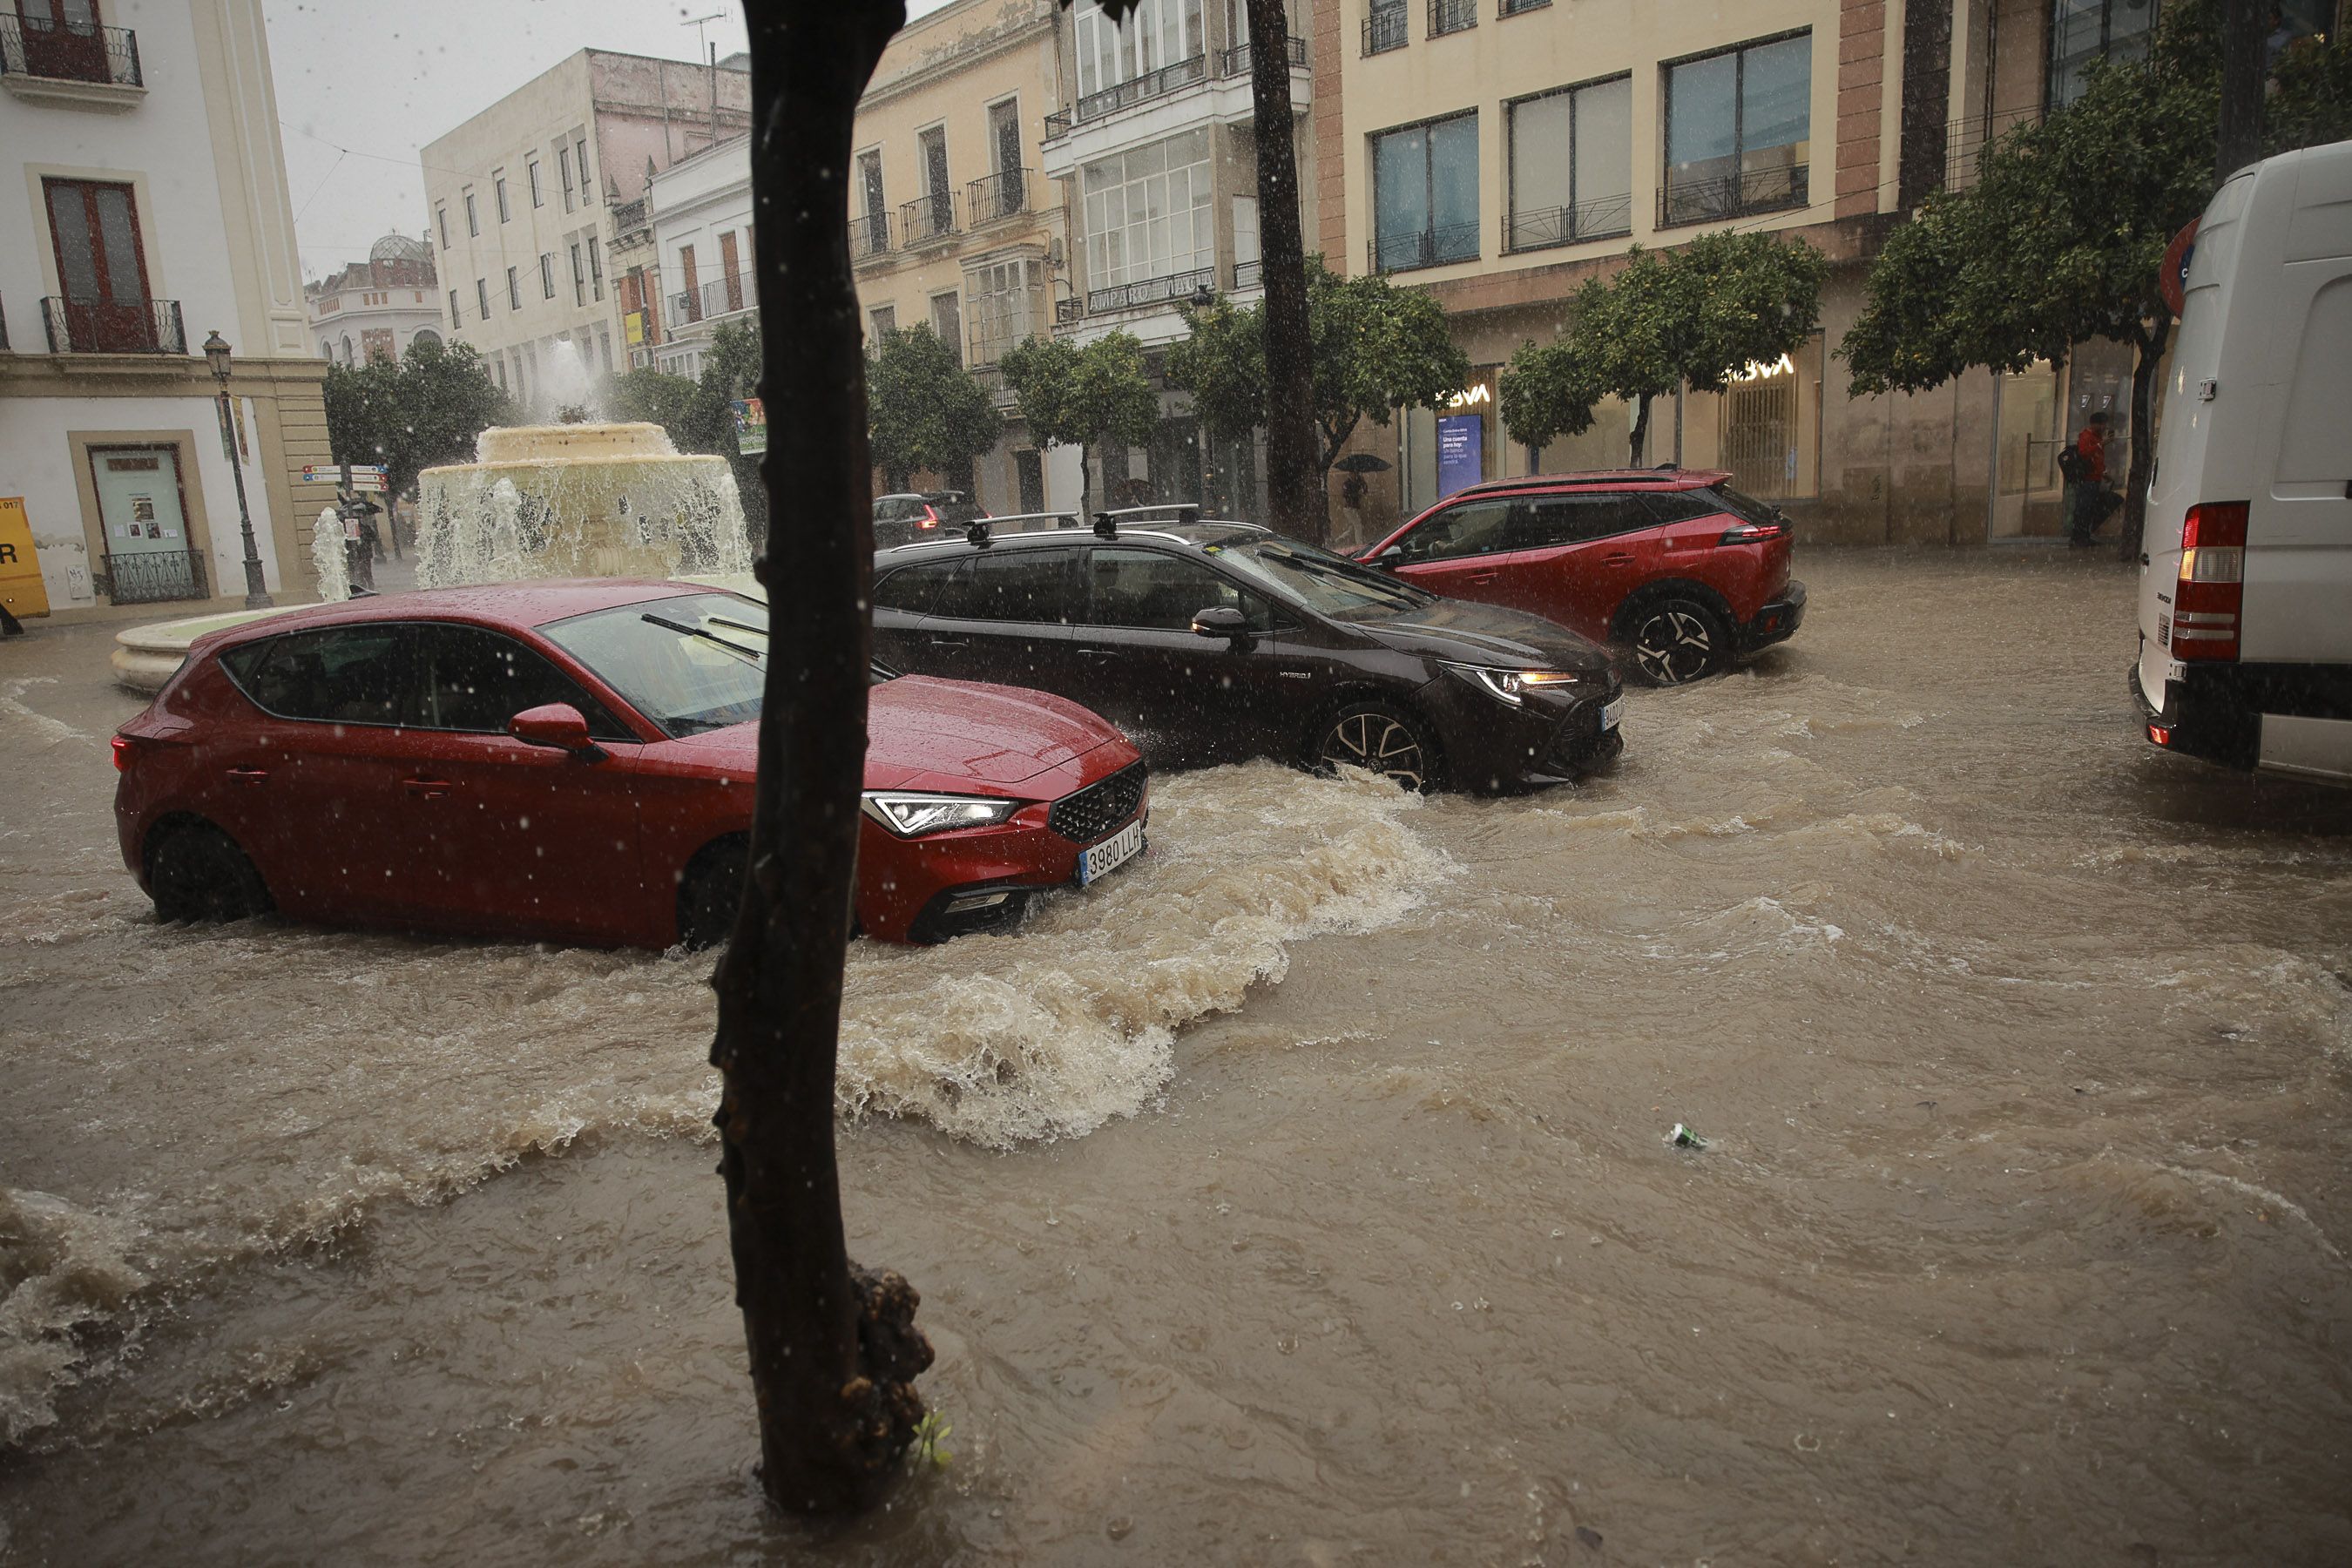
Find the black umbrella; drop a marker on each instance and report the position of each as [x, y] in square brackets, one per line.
[1360, 463]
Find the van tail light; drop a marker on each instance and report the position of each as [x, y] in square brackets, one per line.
[1754, 533]
[2208, 600]
[930, 519]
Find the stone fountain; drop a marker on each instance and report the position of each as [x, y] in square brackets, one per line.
[579, 500]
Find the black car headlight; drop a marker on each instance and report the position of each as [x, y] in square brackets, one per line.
[1512, 685]
[911, 814]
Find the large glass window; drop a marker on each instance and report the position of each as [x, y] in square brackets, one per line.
[1031, 586]
[346, 675]
[1571, 164]
[2084, 31]
[1738, 132]
[1005, 297]
[1158, 33]
[1425, 194]
[1148, 214]
[689, 664]
[476, 680]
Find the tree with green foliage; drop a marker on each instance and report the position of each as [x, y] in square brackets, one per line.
[925, 410]
[1694, 316]
[2060, 240]
[1082, 397]
[413, 415]
[1377, 348]
[652, 397]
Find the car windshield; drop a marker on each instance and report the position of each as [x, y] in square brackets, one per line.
[1327, 584]
[688, 664]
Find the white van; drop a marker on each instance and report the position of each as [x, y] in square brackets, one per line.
[2245, 600]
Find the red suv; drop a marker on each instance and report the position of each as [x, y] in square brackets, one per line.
[1671, 563]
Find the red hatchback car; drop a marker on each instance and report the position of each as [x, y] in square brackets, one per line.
[573, 760]
[1672, 565]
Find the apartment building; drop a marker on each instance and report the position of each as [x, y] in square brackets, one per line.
[699, 210]
[950, 224]
[146, 209]
[1155, 145]
[527, 200]
[376, 309]
[1500, 152]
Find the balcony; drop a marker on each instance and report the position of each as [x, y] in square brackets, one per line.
[1684, 202]
[1965, 141]
[1151, 291]
[102, 327]
[1204, 90]
[719, 297]
[1248, 275]
[927, 219]
[992, 376]
[1000, 196]
[1386, 27]
[1236, 61]
[1403, 252]
[629, 217]
[869, 237]
[74, 64]
[1603, 218]
[1452, 16]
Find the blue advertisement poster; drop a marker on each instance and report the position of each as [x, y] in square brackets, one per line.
[1461, 451]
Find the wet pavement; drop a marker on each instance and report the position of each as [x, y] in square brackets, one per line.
[1301, 1195]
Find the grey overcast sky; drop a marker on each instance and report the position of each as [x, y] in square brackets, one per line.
[362, 84]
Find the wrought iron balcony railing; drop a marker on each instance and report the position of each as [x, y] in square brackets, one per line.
[1387, 27]
[1452, 16]
[869, 236]
[630, 217]
[1141, 89]
[1713, 200]
[1546, 227]
[150, 578]
[1004, 194]
[927, 218]
[1424, 247]
[1248, 275]
[1236, 61]
[68, 51]
[719, 297]
[1150, 292]
[102, 327]
[1965, 141]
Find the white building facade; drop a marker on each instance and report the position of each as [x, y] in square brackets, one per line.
[146, 206]
[700, 209]
[526, 199]
[378, 308]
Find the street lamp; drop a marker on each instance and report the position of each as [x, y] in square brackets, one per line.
[257, 596]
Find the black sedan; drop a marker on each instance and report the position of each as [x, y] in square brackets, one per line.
[1213, 642]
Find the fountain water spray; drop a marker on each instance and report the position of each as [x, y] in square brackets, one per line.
[330, 559]
[579, 500]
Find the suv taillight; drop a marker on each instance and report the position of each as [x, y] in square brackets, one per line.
[1753, 533]
[2210, 593]
[930, 519]
[124, 748]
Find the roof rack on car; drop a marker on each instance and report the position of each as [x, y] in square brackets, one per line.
[978, 532]
[1185, 511]
[1058, 519]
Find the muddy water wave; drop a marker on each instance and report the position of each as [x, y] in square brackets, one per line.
[394, 1069]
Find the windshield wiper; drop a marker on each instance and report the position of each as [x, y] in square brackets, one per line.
[750, 654]
[739, 626]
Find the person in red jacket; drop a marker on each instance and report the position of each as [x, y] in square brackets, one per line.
[2087, 481]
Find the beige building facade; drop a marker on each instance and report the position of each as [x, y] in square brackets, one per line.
[1501, 153]
[145, 207]
[379, 307]
[952, 224]
[526, 200]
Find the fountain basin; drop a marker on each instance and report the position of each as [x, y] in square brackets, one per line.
[145, 658]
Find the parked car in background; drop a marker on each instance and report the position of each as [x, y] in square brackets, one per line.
[1672, 565]
[1212, 642]
[910, 515]
[2245, 597]
[574, 760]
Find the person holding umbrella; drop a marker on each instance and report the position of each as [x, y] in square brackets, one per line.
[1352, 492]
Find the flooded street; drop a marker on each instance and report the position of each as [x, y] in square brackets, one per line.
[1298, 1195]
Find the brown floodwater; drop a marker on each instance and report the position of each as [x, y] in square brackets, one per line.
[1299, 1196]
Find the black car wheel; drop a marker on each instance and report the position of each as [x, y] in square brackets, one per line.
[1378, 739]
[710, 892]
[196, 872]
[1677, 640]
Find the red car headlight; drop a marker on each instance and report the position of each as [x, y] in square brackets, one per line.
[911, 815]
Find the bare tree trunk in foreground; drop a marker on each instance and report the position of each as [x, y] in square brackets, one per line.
[1293, 478]
[834, 1349]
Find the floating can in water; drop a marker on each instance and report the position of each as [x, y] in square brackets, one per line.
[1683, 1137]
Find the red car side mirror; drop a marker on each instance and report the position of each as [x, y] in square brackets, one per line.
[557, 725]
